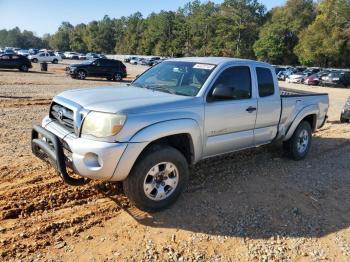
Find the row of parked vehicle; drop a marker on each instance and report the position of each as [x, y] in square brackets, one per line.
[314, 76]
[150, 61]
[79, 56]
[44, 55]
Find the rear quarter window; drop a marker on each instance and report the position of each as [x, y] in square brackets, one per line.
[265, 82]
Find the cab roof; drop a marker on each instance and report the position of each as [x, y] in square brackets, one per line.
[217, 60]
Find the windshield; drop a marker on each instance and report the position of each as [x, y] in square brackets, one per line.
[181, 78]
[88, 61]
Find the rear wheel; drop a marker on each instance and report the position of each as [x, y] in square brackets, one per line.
[117, 77]
[23, 68]
[81, 74]
[299, 144]
[157, 178]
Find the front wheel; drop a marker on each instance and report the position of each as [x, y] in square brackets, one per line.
[35, 60]
[23, 68]
[157, 178]
[81, 75]
[55, 61]
[299, 144]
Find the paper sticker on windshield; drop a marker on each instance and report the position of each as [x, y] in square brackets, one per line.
[203, 66]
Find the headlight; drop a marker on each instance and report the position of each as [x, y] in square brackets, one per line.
[102, 125]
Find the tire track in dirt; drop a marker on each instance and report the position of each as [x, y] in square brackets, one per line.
[20, 103]
[48, 205]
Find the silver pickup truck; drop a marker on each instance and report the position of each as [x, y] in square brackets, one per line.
[175, 114]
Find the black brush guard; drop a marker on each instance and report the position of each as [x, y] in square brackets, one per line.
[51, 151]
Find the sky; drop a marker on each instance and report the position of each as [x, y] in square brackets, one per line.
[44, 16]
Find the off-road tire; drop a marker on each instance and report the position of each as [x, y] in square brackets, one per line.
[134, 184]
[291, 146]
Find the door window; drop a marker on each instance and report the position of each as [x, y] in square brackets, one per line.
[265, 82]
[102, 62]
[238, 80]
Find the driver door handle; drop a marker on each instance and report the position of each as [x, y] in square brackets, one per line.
[251, 109]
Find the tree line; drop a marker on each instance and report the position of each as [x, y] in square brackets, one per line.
[299, 32]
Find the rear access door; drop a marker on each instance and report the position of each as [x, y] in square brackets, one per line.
[269, 106]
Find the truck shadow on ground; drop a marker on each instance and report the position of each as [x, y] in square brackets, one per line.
[259, 194]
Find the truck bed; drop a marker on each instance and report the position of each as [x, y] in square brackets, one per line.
[294, 101]
[287, 92]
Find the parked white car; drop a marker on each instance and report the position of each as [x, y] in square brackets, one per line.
[82, 56]
[295, 78]
[71, 55]
[45, 57]
[134, 60]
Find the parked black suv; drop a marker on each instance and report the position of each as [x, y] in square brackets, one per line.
[109, 68]
[345, 113]
[12, 61]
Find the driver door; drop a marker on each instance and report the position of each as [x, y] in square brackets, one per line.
[99, 68]
[230, 121]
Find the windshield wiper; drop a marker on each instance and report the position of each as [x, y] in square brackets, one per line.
[167, 90]
[160, 88]
[138, 85]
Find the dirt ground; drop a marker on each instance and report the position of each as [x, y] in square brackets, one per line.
[254, 205]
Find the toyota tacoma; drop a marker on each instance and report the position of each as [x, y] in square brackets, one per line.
[173, 115]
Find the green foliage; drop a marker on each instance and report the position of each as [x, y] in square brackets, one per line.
[238, 27]
[77, 38]
[24, 39]
[300, 31]
[326, 42]
[60, 40]
[279, 35]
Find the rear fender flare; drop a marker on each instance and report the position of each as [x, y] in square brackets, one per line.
[306, 111]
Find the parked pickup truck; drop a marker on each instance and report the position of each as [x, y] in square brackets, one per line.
[172, 116]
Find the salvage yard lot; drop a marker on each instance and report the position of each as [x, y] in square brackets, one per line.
[251, 205]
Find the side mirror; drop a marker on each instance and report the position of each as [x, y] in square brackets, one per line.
[222, 92]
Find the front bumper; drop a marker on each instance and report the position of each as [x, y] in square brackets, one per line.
[70, 71]
[87, 158]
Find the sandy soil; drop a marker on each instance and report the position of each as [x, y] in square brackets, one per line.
[254, 205]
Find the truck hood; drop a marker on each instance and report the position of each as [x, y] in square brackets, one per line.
[126, 99]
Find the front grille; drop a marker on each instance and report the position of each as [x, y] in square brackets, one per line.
[63, 115]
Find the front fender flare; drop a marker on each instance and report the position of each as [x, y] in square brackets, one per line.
[151, 133]
[306, 111]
